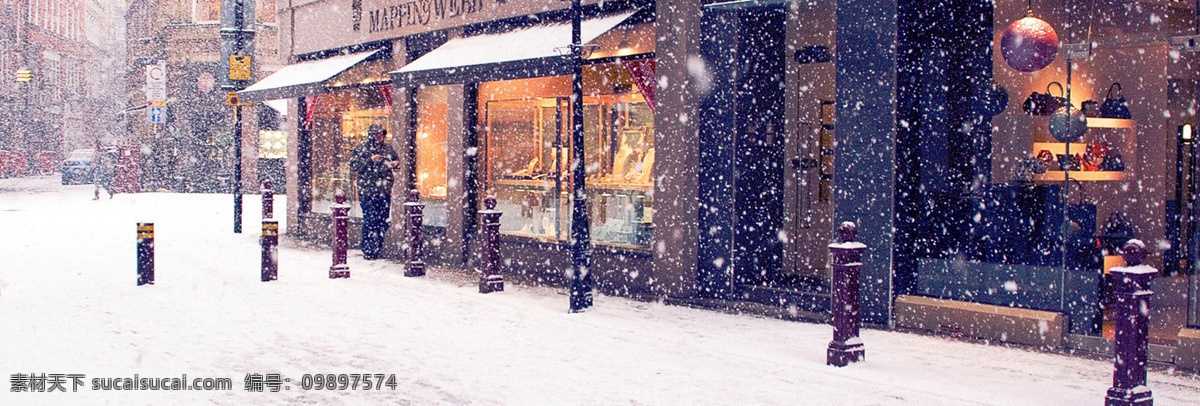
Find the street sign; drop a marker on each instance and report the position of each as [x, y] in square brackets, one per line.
[156, 114]
[156, 81]
[232, 99]
[156, 103]
[239, 67]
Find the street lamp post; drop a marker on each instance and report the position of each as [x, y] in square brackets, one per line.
[581, 245]
[236, 40]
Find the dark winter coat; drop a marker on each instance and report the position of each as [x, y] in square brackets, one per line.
[374, 177]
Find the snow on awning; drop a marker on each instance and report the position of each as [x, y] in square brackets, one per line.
[280, 105]
[301, 79]
[521, 53]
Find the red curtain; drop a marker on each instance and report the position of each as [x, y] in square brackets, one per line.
[310, 108]
[642, 71]
[387, 94]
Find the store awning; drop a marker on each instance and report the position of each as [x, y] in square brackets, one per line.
[302, 79]
[528, 52]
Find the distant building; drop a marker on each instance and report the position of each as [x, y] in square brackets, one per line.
[191, 149]
[65, 51]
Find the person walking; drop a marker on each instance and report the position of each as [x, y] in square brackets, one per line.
[105, 171]
[374, 161]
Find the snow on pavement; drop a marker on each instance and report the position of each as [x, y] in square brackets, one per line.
[69, 305]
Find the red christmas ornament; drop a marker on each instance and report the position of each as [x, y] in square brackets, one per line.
[1029, 44]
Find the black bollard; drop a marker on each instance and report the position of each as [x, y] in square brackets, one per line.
[145, 253]
[414, 212]
[341, 241]
[270, 250]
[846, 346]
[1133, 293]
[490, 279]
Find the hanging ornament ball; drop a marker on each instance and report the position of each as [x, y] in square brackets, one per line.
[1068, 127]
[1029, 44]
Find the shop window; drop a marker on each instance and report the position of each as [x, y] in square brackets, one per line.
[339, 124]
[527, 161]
[431, 153]
[272, 144]
[1024, 212]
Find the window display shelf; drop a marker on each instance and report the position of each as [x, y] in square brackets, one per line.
[1059, 147]
[1097, 122]
[1082, 176]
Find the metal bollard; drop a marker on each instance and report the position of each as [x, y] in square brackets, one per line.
[145, 253]
[341, 241]
[490, 279]
[268, 200]
[270, 250]
[414, 211]
[1132, 292]
[846, 346]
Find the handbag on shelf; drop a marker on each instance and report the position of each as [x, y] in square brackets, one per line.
[1044, 104]
[1025, 169]
[1115, 107]
[1091, 108]
[1112, 163]
[1046, 157]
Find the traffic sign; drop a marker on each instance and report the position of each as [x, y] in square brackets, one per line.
[232, 99]
[24, 75]
[156, 114]
[156, 103]
[156, 81]
[239, 67]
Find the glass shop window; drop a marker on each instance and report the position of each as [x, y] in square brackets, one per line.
[527, 155]
[431, 153]
[272, 144]
[1085, 155]
[339, 124]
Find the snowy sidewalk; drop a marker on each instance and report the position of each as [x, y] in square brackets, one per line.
[69, 305]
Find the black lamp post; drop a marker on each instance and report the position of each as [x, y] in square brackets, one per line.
[236, 39]
[581, 244]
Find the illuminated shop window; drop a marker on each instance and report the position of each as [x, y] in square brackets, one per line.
[527, 162]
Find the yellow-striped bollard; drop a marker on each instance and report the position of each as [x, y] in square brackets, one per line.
[145, 253]
[270, 250]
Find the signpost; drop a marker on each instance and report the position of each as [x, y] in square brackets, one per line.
[237, 44]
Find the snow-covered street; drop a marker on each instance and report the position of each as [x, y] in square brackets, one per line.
[69, 305]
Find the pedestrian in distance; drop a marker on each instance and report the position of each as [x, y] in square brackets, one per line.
[374, 161]
[105, 171]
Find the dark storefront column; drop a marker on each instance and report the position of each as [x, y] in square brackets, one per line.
[866, 120]
[403, 126]
[718, 128]
[676, 132]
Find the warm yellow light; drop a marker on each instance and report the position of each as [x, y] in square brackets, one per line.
[1186, 132]
[625, 51]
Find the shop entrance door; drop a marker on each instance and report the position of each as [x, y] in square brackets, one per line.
[748, 117]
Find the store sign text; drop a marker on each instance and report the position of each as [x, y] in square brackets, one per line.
[419, 12]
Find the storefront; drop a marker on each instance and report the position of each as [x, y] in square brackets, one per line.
[1000, 204]
[722, 148]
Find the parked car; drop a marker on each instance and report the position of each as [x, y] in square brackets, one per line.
[78, 167]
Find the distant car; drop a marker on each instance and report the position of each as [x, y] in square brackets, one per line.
[78, 167]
